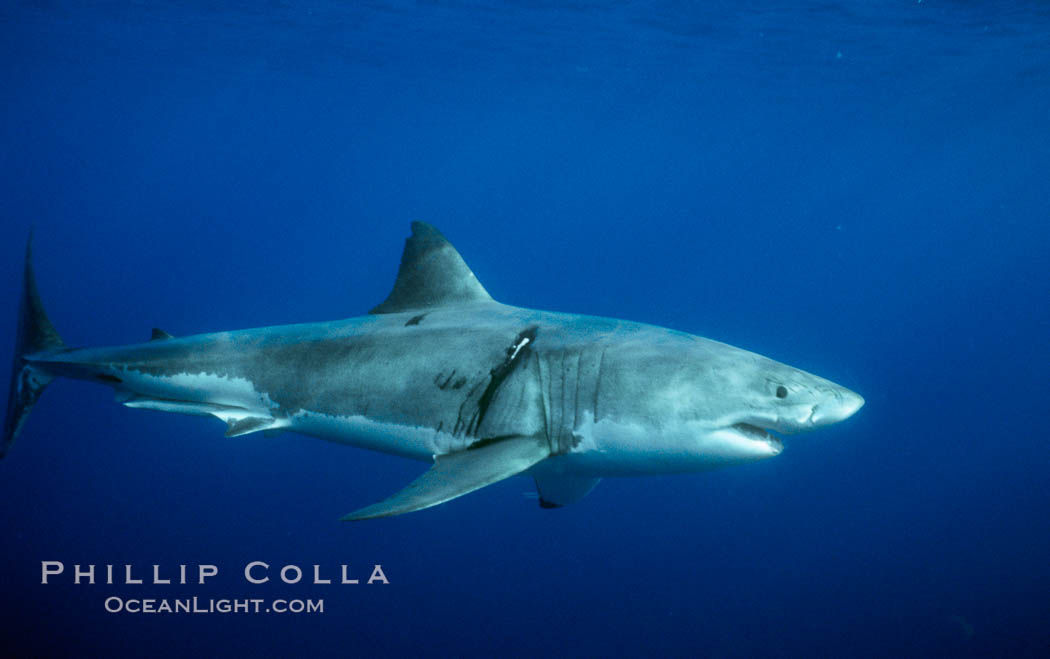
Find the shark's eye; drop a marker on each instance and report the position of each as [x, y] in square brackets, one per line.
[782, 391]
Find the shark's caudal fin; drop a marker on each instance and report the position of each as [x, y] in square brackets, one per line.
[35, 334]
[456, 474]
[432, 274]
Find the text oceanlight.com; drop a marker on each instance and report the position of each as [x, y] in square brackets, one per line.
[211, 605]
[157, 577]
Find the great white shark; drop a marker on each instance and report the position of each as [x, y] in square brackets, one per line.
[442, 373]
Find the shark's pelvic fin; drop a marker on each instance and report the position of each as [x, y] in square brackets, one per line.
[239, 421]
[456, 474]
[160, 335]
[432, 274]
[557, 490]
[35, 335]
[249, 424]
[193, 408]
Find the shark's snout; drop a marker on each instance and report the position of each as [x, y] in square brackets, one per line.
[839, 407]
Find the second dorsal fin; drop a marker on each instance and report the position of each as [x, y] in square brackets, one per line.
[432, 274]
[160, 335]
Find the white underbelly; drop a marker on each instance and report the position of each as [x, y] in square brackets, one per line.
[416, 442]
[609, 448]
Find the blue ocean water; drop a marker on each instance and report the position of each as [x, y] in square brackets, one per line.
[861, 190]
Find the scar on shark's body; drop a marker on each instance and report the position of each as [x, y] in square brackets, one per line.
[442, 373]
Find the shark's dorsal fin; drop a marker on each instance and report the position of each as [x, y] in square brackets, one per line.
[160, 335]
[432, 274]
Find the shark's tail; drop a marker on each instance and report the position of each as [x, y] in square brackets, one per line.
[35, 334]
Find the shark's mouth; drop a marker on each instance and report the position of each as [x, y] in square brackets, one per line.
[757, 434]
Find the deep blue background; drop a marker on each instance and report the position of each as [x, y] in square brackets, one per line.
[861, 190]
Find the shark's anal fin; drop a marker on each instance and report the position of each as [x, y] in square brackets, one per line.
[456, 474]
[557, 490]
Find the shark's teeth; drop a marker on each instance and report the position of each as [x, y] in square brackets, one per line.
[754, 432]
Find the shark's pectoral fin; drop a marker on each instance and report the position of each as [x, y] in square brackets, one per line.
[558, 490]
[456, 474]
